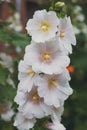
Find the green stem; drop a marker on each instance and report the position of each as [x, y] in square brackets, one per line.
[52, 3]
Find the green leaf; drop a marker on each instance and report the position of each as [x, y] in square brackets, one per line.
[7, 93]
[12, 6]
[4, 35]
[3, 74]
[80, 61]
[20, 39]
[14, 38]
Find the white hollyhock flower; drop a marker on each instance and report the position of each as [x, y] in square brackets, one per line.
[26, 76]
[22, 123]
[56, 118]
[6, 111]
[55, 126]
[31, 105]
[66, 35]
[80, 17]
[15, 22]
[54, 88]
[57, 113]
[8, 115]
[77, 9]
[6, 61]
[46, 58]
[43, 26]
[20, 98]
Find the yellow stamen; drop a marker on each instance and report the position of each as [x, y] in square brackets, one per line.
[44, 26]
[62, 34]
[35, 97]
[46, 56]
[55, 108]
[52, 83]
[31, 72]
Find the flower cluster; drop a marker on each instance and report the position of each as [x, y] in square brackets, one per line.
[43, 75]
[6, 112]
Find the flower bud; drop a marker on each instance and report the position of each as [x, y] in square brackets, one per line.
[51, 8]
[59, 4]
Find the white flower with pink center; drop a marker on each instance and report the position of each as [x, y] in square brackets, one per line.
[26, 76]
[55, 126]
[6, 111]
[46, 58]
[43, 26]
[54, 89]
[32, 105]
[66, 35]
[22, 123]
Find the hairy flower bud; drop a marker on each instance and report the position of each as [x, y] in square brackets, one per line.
[59, 4]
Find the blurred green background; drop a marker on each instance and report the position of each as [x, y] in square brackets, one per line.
[12, 43]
